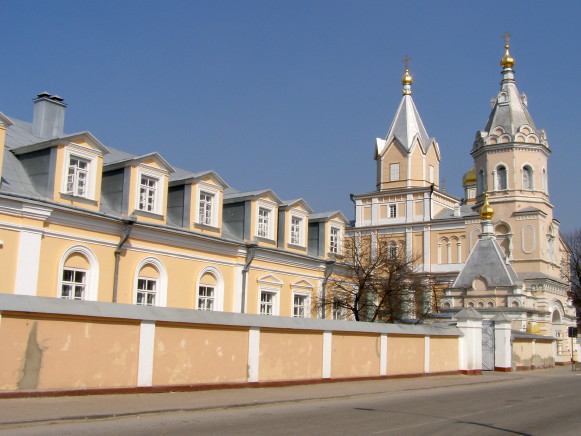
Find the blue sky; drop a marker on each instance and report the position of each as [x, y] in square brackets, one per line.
[291, 95]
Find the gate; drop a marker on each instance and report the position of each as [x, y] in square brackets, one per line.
[488, 345]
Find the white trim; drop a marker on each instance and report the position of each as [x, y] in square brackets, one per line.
[275, 299]
[383, 354]
[91, 170]
[218, 288]
[307, 296]
[327, 353]
[92, 285]
[28, 262]
[270, 280]
[146, 353]
[160, 189]
[427, 354]
[253, 353]
[302, 233]
[161, 291]
[271, 223]
[215, 193]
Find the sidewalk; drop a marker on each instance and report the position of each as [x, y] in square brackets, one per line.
[28, 410]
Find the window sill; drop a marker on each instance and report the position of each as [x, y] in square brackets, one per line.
[79, 199]
[145, 214]
[206, 227]
[266, 240]
[297, 247]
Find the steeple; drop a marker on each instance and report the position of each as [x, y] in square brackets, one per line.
[407, 140]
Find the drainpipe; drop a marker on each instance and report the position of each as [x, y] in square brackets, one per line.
[250, 252]
[329, 264]
[127, 226]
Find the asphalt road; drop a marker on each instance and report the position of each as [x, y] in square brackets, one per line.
[540, 404]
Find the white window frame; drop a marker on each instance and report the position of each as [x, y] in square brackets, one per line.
[335, 240]
[91, 171]
[92, 274]
[161, 297]
[74, 284]
[269, 234]
[147, 292]
[214, 194]
[530, 171]
[497, 180]
[307, 304]
[394, 175]
[340, 309]
[202, 300]
[392, 210]
[300, 231]
[275, 304]
[159, 191]
[218, 288]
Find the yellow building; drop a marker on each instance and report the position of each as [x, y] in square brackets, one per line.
[522, 273]
[83, 221]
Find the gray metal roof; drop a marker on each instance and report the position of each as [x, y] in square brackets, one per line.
[487, 260]
[407, 125]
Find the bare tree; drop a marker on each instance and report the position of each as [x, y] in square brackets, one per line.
[376, 281]
[573, 273]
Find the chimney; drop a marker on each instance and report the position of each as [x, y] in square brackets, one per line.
[49, 116]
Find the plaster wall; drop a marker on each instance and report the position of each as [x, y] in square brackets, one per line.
[355, 355]
[405, 354]
[443, 354]
[288, 355]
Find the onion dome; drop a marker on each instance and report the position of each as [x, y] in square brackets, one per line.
[486, 211]
[507, 61]
[469, 177]
[407, 79]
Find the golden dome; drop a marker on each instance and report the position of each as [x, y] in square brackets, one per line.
[507, 61]
[407, 77]
[486, 211]
[469, 177]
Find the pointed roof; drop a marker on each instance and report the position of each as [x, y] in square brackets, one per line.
[406, 127]
[487, 261]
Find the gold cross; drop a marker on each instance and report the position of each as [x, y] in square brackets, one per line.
[506, 37]
[406, 60]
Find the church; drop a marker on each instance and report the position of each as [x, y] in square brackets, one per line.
[498, 249]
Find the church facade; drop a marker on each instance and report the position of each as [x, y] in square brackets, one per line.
[509, 260]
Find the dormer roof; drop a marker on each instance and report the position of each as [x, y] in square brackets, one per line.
[232, 195]
[288, 204]
[327, 216]
[181, 177]
[69, 138]
[138, 160]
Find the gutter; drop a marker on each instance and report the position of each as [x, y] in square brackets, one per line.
[250, 252]
[127, 226]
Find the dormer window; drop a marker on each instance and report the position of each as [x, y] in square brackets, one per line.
[334, 240]
[264, 223]
[148, 193]
[77, 176]
[296, 230]
[206, 210]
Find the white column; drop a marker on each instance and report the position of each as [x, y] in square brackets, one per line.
[28, 262]
[408, 243]
[426, 354]
[327, 350]
[383, 354]
[253, 353]
[470, 345]
[427, 244]
[146, 350]
[502, 345]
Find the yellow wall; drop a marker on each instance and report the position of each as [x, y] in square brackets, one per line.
[42, 354]
[190, 355]
[290, 355]
[8, 258]
[443, 354]
[355, 355]
[405, 355]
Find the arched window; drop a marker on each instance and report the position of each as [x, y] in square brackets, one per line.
[490, 304]
[481, 187]
[480, 304]
[150, 283]
[78, 274]
[527, 177]
[209, 294]
[501, 178]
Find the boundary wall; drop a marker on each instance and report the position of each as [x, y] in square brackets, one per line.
[530, 351]
[50, 346]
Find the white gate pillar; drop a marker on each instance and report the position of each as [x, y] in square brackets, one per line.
[469, 322]
[502, 343]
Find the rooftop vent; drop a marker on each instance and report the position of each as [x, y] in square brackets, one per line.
[49, 116]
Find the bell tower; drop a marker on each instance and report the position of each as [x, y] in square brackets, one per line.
[407, 157]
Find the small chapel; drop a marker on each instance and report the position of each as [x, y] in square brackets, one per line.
[497, 250]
